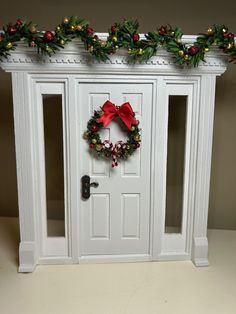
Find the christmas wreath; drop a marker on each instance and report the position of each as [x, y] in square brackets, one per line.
[121, 35]
[105, 148]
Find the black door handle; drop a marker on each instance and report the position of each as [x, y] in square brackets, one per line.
[94, 184]
[86, 186]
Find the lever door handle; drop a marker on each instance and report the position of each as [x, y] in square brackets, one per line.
[94, 184]
[85, 180]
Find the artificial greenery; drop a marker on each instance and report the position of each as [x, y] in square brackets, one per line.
[106, 149]
[124, 34]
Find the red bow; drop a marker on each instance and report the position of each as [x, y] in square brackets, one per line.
[125, 112]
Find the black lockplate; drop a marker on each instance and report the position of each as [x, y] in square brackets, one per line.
[85, 187]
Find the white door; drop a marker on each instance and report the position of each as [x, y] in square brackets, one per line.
[115, 220]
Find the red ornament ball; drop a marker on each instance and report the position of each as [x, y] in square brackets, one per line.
[94, 127]
[137, 145]
[136, 37]
[48, 36]
[89, 30]
[162, 30]
[193, 50]
[91, 146]
[113, 29]
[11, 30]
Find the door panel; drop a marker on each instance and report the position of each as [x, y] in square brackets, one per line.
[116, 218]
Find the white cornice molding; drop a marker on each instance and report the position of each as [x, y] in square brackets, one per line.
[74, 58]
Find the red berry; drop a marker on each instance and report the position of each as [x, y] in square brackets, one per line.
[18, 22]
[91, 146]
[234, 57]
[225, 34]
[162, 30]
[48, 36]
[11, 30]
[89, 30]
[94, 127]
[113, 29]
[231, 35]
[193, 50]
[137, 145]
[136, 37]
[225, 51]
[95, 37]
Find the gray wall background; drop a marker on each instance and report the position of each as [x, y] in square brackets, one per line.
[192, 17]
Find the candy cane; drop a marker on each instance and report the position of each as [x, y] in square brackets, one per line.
[117, 145]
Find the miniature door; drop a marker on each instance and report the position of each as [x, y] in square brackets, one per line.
[116, 218]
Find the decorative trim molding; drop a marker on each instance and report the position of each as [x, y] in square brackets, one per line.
[74, 58]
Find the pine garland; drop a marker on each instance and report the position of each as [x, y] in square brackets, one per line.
[120, 35]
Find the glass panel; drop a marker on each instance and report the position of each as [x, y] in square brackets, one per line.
[175, 163]
[53, 137]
